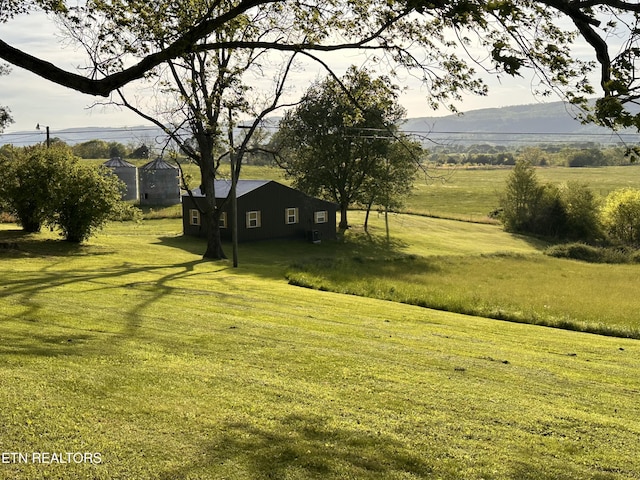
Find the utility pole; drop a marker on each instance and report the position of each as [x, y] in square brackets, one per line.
[234, 194]
[48, 136]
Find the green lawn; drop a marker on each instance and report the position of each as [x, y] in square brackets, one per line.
[170, 367]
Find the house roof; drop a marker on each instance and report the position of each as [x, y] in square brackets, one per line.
[242, 188]
[224, 186]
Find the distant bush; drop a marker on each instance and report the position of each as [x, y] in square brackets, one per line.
[141, 152]
[100, 149]
[592, 254]
[589, 157]
[582, 211]
[491, 159]
[621, 216]
[569, 211]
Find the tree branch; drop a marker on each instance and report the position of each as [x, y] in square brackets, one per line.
[104, 86]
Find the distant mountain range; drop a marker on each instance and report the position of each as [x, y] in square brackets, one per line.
[522, 124]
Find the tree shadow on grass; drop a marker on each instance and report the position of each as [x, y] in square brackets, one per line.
[269, 258]
[46, 345]
[364, 245]
[20, 243]
[535, 242]
[305, 446]
[33, 313]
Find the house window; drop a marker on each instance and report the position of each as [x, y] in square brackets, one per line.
[194, 216]
[320, 216]
[223, 220]
[291, 215]
[253, 219]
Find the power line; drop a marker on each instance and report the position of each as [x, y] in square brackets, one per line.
[67, 134]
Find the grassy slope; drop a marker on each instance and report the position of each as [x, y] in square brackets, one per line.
[176, 368]
[480, 270]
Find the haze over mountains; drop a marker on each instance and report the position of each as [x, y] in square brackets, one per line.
[522, 124]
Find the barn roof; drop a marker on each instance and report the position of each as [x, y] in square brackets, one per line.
[243, 187]
[117, 162]
[224, 186]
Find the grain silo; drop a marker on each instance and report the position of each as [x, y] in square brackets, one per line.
[159, 183]
[126, 172]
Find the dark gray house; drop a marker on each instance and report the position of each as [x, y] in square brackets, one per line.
[266, 210]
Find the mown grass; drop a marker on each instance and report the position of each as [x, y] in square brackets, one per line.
[172, 367]
[477, 270]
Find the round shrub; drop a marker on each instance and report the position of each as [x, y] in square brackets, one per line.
[621, 216]
[581, 206]
[49, 186]
[576, 251]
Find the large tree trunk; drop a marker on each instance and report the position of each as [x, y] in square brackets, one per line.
[343, 217]
[214, 249]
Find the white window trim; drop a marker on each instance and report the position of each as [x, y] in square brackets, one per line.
[254, 216]
[223, 220]
[321, 216]
[291, 215]
[194, 217]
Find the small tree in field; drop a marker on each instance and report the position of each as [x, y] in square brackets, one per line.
[88, 197]
[49, 186]
[29, 182]
[621, 216]
[391, 183]
[521, 198]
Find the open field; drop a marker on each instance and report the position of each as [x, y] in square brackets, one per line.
[133, 348]
[170, 367]
[478, 270]
[463, 193]
[471, 193]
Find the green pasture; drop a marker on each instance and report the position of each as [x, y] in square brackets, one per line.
[171, 367]
[470, 194]
[464, 193]
[476, 269]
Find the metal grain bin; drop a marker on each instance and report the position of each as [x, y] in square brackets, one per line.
[126, 172]
[159, 183]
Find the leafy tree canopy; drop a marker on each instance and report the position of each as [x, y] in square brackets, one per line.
[5, 116]
[425, 37]
[49, 186]
[336, 141]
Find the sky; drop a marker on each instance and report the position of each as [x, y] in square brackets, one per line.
[34, 101]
